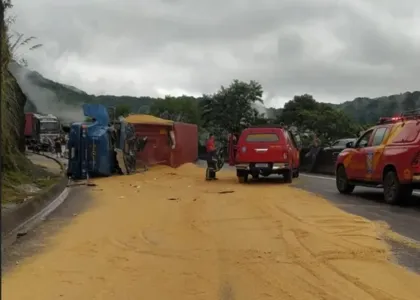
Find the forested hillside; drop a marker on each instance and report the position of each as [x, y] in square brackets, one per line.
[366, 110]
[361, 110]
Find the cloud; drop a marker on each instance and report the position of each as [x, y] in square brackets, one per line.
[335, 50]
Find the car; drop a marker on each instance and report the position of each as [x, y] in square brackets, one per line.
[341, 143]
[266, 150]
[385, 156]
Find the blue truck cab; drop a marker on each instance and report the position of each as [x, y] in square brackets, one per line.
[93, 146]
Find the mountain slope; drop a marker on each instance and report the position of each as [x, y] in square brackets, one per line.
[367, 110]
[65, 101]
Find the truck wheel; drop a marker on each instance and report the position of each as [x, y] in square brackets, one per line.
[243, 178]
[342, 183]
[255, 176]
[288, 176]
[394, 191]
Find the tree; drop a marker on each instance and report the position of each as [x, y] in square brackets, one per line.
[179, 109]
[411, 102]
[230, 109]
[293, 109]
[122, 110]
[310, 116]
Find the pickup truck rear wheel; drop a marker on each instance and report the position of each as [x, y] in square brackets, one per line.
[394, 191]
[288, 176]
[341, 181]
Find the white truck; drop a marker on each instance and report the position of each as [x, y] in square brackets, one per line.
[50, 129]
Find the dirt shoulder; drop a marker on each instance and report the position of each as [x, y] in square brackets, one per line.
[169, 234]
[37, 176]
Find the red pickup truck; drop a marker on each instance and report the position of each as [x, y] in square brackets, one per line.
[265, 150]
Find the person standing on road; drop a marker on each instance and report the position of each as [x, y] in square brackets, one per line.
[63, 145]
[57, 146]
[211, 156]
[313, 153]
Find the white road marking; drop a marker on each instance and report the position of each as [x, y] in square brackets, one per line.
[332, 178]
[317, 176]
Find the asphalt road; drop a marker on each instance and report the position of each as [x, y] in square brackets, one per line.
[37, 240]
[45, 162]
[367, 203]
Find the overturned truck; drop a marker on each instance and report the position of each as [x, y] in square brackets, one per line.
[101, 147]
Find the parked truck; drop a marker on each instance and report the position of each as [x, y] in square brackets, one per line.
[41, 130]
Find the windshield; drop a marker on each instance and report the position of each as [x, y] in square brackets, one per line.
[49, 127]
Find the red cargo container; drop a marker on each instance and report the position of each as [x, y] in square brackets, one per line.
[32, 126]
[29, 121]
[160, 147]
[186, 144]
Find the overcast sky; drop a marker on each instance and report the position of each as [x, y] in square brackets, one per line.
[335, 50]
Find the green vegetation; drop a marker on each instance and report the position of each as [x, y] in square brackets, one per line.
[230, 109]
[233, 108]
[10, 113]
[327, 122]
[12, 191]
[368, 111]
[362, 111]
[181, 109]
[16, 168]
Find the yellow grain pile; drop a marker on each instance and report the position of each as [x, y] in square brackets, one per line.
[147, 119]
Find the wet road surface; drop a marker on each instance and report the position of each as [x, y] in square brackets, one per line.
[45, 162]
[368, 203]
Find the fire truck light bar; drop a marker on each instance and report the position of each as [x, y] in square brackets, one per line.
[389, 120]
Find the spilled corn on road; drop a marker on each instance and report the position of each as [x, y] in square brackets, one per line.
[168, 234]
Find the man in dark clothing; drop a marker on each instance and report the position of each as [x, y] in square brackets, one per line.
[57, 146]
[211, 158]
[313, 152]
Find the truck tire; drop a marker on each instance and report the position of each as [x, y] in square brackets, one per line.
[288, 176]
[395, 192]
[341, 181]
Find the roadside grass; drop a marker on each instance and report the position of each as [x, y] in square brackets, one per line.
[33, 175]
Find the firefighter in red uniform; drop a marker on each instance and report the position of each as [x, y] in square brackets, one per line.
[211, 159]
